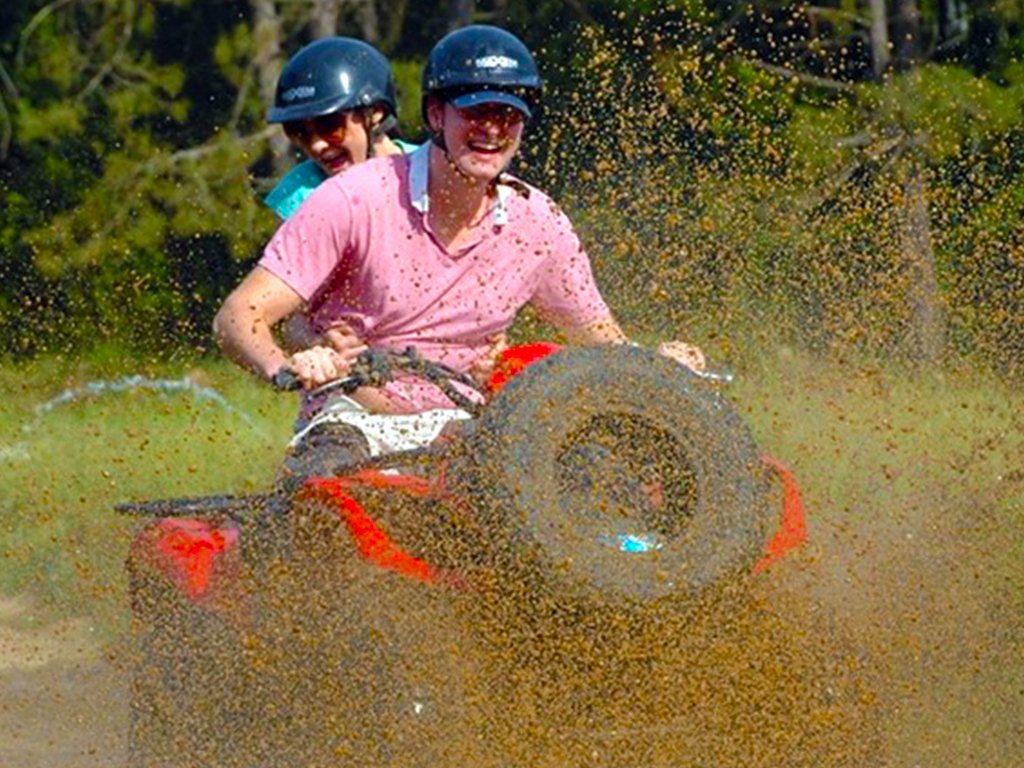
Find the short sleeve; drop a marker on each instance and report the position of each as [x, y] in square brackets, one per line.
[310, 245]
[566, 294]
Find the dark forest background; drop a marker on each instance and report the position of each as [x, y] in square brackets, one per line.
[842, 176]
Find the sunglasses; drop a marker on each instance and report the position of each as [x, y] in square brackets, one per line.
[498, 113]
[330, 127]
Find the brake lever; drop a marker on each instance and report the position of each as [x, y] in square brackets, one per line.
[286, 380]
[715, 377]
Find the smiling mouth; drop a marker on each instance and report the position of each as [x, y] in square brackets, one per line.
[335, 162]
[487, 147]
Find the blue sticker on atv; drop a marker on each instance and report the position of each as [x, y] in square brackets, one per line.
[633, 543]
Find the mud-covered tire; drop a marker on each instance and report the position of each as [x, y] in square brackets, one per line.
[615, 474]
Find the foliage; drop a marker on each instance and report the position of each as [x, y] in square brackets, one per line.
[111, 169]
[736, 169]
[736, 194]
[407, 84]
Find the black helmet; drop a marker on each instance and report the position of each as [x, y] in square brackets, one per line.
[331, 75]
[482, 64]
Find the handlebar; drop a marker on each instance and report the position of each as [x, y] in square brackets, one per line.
[377, 367]
[716, 377]
[286, 380]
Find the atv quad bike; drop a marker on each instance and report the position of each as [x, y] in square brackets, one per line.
[441, 606]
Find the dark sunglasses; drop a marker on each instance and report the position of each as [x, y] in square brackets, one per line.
[499, 113]
[330, 127]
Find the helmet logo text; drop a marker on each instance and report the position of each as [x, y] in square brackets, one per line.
[298, 92]
[496, 62]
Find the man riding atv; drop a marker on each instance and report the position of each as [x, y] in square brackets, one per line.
[438, 249]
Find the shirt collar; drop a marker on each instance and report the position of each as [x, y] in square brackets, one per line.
[419, 164]
[419, 173]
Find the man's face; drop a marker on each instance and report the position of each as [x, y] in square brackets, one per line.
[481, 140]
[335, 141]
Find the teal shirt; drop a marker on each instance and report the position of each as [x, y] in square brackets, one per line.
[298, 184]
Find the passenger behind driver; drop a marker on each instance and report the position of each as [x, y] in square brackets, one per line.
[335, 100]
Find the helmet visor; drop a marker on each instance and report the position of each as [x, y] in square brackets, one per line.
[476, 98]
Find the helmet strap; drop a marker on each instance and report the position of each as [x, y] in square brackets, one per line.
[375, 130]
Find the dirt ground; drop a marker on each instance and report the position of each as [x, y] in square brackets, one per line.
[62, 701]
[940, 635]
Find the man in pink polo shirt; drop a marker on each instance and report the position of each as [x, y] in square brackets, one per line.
[438, 249]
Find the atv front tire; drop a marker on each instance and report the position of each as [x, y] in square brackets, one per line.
[613, 473]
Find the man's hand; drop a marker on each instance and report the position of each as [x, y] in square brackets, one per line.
[685, 354]
[330, 358]
[484, 365]
[318, 365]
[342, 339]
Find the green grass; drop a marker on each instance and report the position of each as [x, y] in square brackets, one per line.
[866, 437]
[65, 469]
[864, 441]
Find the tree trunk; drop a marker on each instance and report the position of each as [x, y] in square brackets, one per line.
[907, 33]
[880, 55]
[952, 20]
[927, 331]
[460, 13]
[369, 22]
[267, 60]
[393, 24]
[323, 18]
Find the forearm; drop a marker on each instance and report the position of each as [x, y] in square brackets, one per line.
[603, 331]
[246, 338]
[607, 331]
[243, 326]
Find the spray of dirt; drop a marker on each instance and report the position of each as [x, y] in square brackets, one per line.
[930, 594]
[893, 639]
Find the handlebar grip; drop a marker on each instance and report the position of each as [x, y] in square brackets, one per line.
[286, 380]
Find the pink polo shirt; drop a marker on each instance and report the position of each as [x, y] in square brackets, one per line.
[360, 251]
